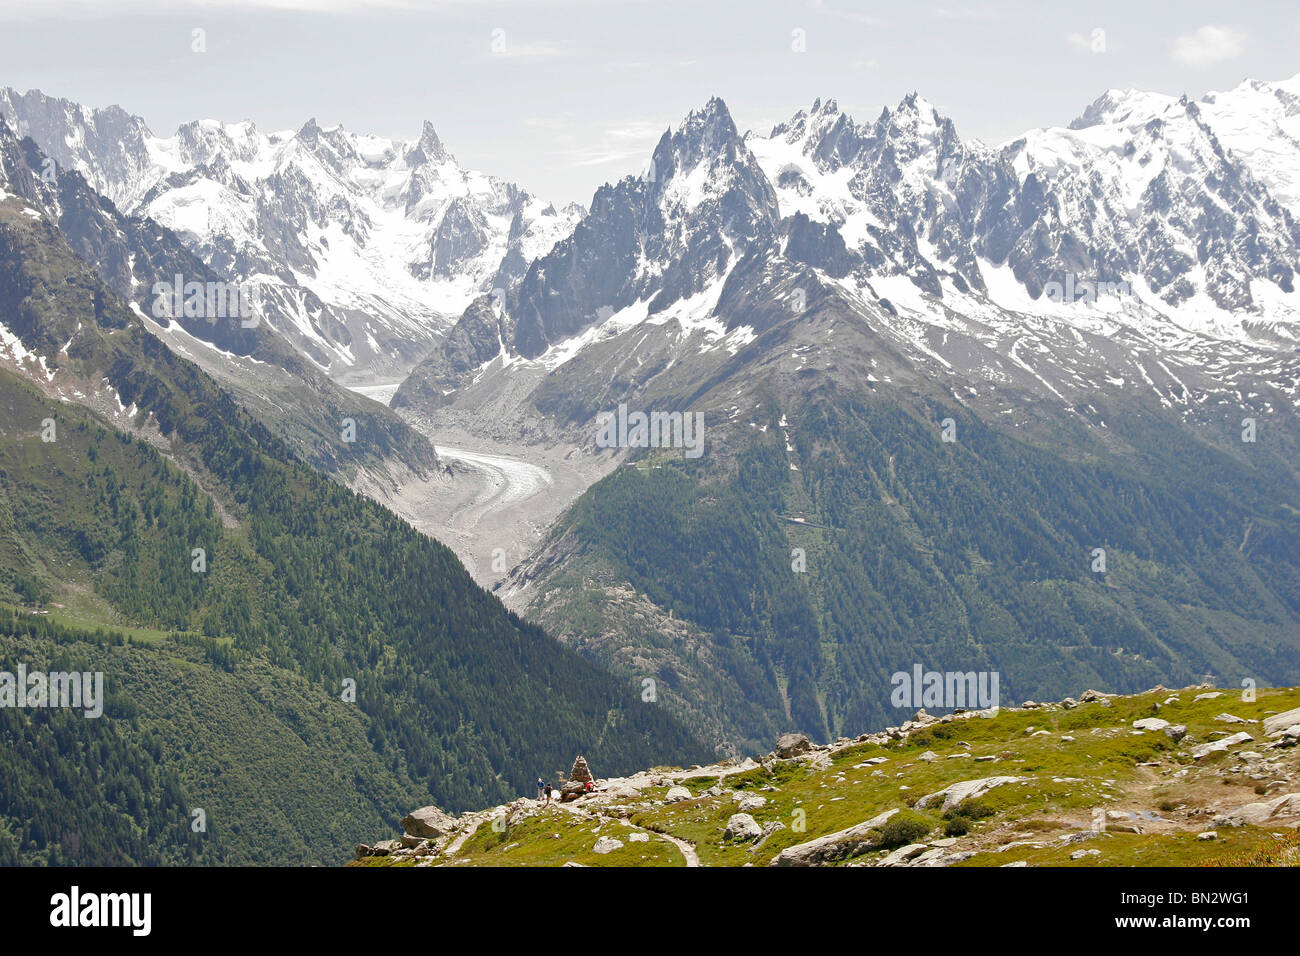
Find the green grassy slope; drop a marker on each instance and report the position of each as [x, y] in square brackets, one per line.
[973, 555]
[1088, 780]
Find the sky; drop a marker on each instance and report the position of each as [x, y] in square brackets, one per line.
[564, 95]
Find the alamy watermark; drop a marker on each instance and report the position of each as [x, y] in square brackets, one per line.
[127, 910]
[971, 690]
[655, 430]
[1075, 290]
[75, 689]
[208, 300]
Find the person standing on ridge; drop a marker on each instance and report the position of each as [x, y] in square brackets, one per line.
[542, 789]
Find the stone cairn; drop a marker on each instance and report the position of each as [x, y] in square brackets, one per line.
[580, 772]
[579, 776]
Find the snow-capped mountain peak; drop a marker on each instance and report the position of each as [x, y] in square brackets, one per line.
[365, 248]
[1123, 107]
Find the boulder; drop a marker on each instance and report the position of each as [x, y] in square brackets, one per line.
[607, 845]
[1150, 723]
[572, 791]
[935, 856]
[850, 841]
[1256, 814]
[1176, 732]
[753, 802]
[1218, 746]
[792, 745]
[741, 826]
[639, 838]
[1286, 738]
[428, 822]
[903, 854]
[676, 795]
[965, 790]
[1281, 721]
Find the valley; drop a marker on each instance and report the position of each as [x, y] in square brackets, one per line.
[494, 504]
[1025, 410]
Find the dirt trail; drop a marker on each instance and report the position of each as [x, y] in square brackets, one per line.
[454, 846]
[687, 849]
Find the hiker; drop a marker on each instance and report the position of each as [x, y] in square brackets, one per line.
[543, 789]
[588, 787]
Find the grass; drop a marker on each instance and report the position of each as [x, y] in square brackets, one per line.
[556, 837]
[1105, 766]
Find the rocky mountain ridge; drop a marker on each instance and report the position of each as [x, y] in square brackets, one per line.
[1158, 778]
[361, 248]
[1131, 251]
[249, 357]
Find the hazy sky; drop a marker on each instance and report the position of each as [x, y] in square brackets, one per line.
[562, 96]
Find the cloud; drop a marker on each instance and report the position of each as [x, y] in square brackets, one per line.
[631, 142]
[601, 159]
[98, 9]
[1094, 42]
[528, 49]
[966, 14]
[1208, 45]
[853, 15]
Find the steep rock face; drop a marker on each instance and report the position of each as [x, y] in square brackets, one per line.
[1158, 202]
[476, 338]
[658, 239]
[461, 235]
[1257, 122]
[69, 133]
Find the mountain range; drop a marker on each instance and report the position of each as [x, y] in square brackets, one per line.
[1025, 409]
[362, 249]
[945, 376]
